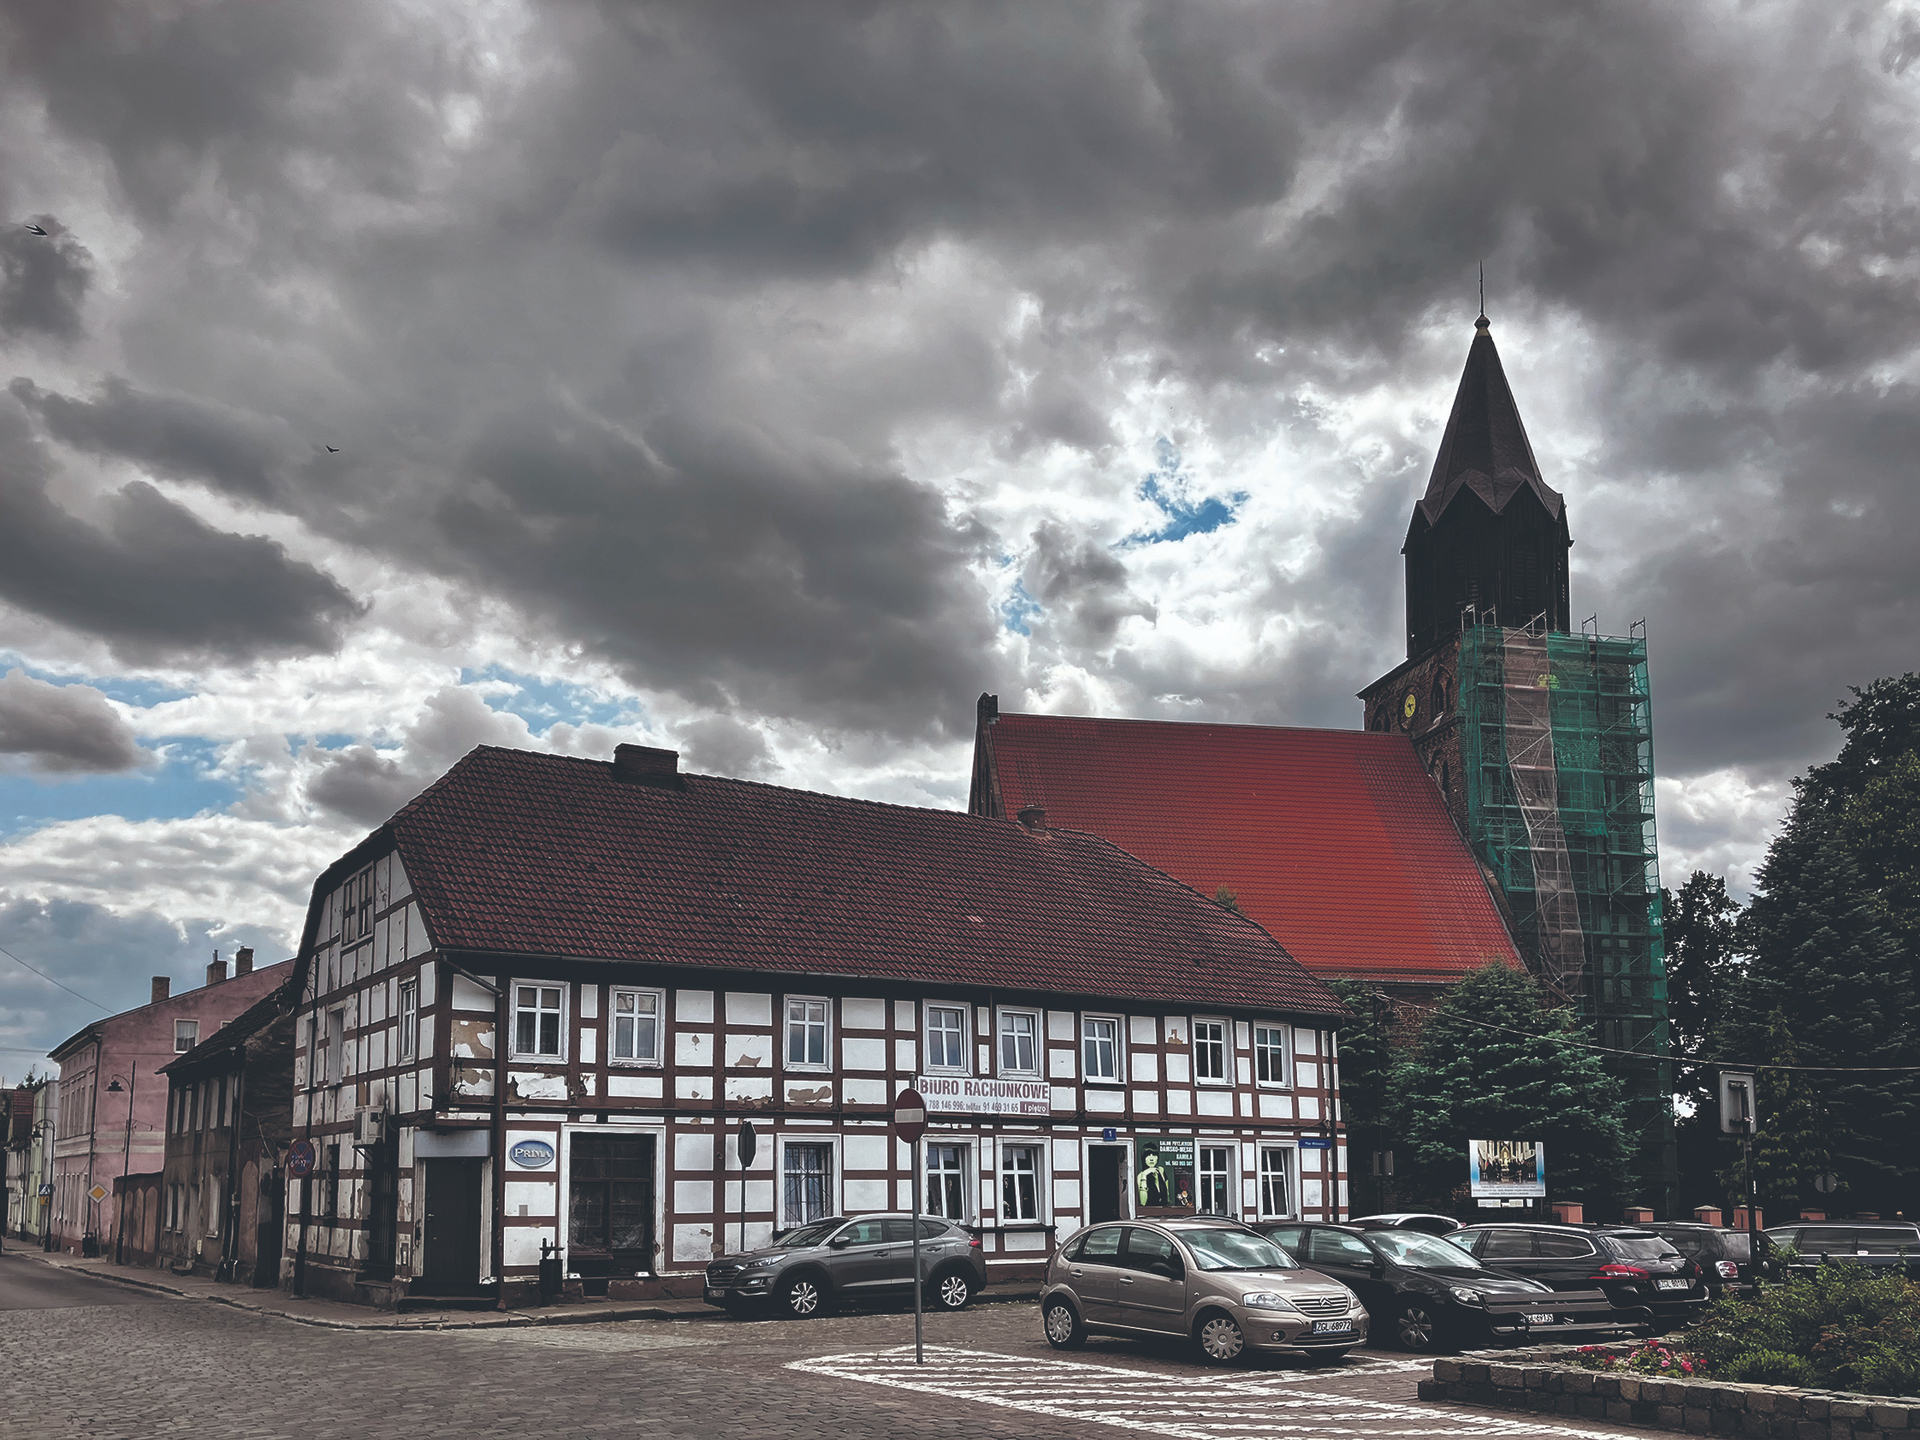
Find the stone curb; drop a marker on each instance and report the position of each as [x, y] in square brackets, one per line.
[482, 1320]
[1539, 1381]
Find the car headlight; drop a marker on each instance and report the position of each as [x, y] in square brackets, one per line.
[756, 1264]
[1267, 1300]
[1466, 1296]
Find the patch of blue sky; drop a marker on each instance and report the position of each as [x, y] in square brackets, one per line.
[182, 785]
[543, 703]
[1167, 488]
[141, 693]
[1018, 610]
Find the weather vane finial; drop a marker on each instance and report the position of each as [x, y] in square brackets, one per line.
[1481, 323]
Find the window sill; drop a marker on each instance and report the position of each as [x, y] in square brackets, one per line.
[1105, 1084]
[619, 1064]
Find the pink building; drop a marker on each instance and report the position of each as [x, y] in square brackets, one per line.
[113, 1100]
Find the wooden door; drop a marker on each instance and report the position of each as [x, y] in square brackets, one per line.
[450, 1233]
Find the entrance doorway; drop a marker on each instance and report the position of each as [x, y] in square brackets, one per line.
[1106, 1183]
[451, 1235]
[609, 1208]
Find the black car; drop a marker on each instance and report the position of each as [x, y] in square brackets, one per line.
[1728, 1264]
[1408, 1220]
[1430, 1295]
[1633, 1265]
[1877, 1245]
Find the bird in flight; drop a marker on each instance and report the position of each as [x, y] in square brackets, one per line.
[35, 230]
[333, 449]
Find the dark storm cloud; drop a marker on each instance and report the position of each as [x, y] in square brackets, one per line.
[636, 352]
[153, 580]
[366, 786]
[63, 729]
[722, 745]
[43, 279]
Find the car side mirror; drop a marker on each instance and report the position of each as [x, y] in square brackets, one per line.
[839, 1242]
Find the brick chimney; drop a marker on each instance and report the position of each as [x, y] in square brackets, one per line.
[216, 971]
[1639, 1215]
[243, 961]
[1707, 1214]
[162, 988]
[646, 765]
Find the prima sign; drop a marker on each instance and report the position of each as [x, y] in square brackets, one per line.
[531, 1154]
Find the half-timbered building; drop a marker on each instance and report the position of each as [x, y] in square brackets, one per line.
[539, 1002]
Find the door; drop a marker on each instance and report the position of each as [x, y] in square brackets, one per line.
[1351, 1261]
[1510, 1251]
[610, 1204]
[1152, 1283]
[383, 1180]
[1093, 1273]
[865, 1262]
[1106, 1183]
[450, 1233]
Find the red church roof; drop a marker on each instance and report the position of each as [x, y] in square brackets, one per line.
[1335, 840]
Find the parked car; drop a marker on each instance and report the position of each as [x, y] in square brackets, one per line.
[1408, 1220]
[1634, 1266]
[1218, 1282]
[1876, 1244]
[1438, 1296]
[807, 1270]
[1727, 1261]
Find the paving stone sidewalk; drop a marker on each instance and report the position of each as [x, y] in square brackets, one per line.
[332, 1315]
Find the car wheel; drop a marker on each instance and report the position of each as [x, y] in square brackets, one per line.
[952, 1291]
[1416, 1327]
[1221, 1339]
[804, 1297]
[1062, 1324]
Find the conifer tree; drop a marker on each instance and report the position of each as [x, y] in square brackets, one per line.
[1820, 957]
[1496, 1062]
[1366, 1066]
[1790, 1150]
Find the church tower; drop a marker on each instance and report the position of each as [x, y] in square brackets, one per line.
[1541, 741]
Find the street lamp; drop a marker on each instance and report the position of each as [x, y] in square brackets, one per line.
[126, 1155]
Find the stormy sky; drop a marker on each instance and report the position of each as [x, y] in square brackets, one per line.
[766, 381]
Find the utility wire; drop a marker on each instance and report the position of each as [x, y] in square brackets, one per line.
[1644, 1055]
[51, 981]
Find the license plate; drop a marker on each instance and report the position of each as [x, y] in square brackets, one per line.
[1538, 1319]
[1333, 1327]
[713, 1294]
[1671, 1284]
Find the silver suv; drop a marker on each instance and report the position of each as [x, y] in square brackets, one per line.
[1218, 1282]
[807, 1269]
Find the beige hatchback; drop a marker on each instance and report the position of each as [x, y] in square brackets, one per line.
[1228, 1288]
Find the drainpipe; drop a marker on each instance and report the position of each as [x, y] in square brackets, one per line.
[500, 1019]
[230, 1246]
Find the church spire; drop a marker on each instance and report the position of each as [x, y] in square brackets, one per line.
[1489, 533]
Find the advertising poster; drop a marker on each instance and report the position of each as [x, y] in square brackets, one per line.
[1507, 1169]
[1163, 1174]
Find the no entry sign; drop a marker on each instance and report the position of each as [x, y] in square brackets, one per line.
[909, 1116]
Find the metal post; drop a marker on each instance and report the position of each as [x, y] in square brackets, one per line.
[919, 1334]
[126, 1155]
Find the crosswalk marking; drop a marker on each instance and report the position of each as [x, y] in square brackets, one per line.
[1202, 1406]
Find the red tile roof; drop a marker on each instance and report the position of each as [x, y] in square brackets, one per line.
[1335, 840]
[550, 856]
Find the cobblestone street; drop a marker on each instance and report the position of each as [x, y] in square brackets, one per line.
[84, 1357]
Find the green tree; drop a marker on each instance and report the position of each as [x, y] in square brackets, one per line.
[1820, 958]
[1496, 1061]
[1790, 1150]
[1881, 829]
[1366, 1081]
[1882, 723]
[1703, 963]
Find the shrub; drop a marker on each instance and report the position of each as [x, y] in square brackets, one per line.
[1841, 1327]
[1652, 1358]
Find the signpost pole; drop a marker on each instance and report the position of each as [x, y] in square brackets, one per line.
[909, 1124]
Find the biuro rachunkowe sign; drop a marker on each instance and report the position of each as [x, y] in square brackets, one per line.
[959, 1095]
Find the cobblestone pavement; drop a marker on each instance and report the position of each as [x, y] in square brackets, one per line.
[188, 1367]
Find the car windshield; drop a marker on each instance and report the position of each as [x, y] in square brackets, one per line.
[1235, 1250]
[1643, 1247]
[806, 1235]
[1421, 1252]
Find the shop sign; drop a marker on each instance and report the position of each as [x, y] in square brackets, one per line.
[531, 1154]
[1163, 1173]
[962, 1095]
[1507, 1169]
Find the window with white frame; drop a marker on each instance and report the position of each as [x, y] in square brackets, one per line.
[213, 1212]
[536, 1020]
[1210, 1050]
[336, 1045]
[636, 1026]
[946, 1037]
[186, 1034]
[356, 907]
[1276, 1182]
[409, 1037]
[806, 1034]
[1019, 1182]
[1270, 1055]
[1019, 1042]
[807, 1183]
[1100, 1047]
[947, 1181]
[1216, 1180]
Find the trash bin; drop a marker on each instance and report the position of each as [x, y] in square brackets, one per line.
[89, 1245]
[550, 1271]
